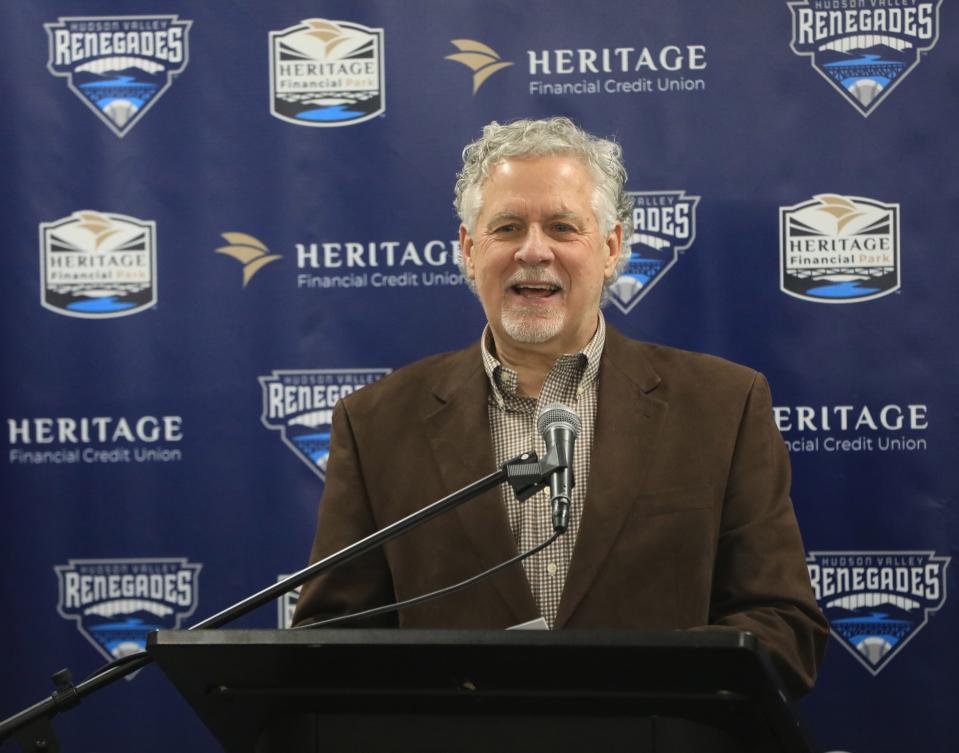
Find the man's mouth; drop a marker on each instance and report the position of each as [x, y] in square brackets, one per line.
[535, 289]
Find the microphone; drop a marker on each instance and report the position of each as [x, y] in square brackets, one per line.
[559, 427]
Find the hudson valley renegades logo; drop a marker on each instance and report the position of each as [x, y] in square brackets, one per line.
[876, 602]
[664, 223]
[864, 49]
[839, 249]
[286, 605]
[119, 66]
[116, 602]
[97, 265]
[326, 73]
[299, 404]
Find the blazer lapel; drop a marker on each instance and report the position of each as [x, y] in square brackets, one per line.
[629, 420]
[459, 435]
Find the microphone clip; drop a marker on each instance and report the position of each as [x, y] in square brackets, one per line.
[527, 474]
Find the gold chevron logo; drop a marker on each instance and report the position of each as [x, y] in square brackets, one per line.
[839, 207]
[483, 60]
[249, 251]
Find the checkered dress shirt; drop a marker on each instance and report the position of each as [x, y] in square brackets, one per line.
[512, 418]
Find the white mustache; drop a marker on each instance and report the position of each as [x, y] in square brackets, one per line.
[531, 276]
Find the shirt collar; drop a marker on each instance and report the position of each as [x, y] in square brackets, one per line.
[503, 381]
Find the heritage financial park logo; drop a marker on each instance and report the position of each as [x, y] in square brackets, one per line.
[876, 602]
[326, 73]
[299, 404]
[664, 223]
[839, 249]
[864, 48]
[96, 265]
[119, 66]
[117, 602]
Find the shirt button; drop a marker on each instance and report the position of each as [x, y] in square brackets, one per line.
[551, 568]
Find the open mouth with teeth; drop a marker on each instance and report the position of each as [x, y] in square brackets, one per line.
[535, 290]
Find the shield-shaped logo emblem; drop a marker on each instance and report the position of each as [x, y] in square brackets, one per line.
[119, 66]
[876, 602]
[664, 224]
[98, 265]
[326, 73]
[299, 404]
[839, 249]
[116, 603]
[864, 52]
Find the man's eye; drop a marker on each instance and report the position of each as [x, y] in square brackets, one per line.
[505, 229]
[562, 227]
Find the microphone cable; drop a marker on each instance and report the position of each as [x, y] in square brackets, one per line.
[141, 655]
[433, 594]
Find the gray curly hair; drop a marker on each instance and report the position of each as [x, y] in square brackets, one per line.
[603, 159]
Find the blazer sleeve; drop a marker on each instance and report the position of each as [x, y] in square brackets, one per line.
[760, 581]
[345, 517]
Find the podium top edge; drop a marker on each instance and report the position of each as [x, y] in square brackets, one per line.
[706, 638]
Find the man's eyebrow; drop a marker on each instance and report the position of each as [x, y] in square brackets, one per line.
[502, 216]
[514, 217]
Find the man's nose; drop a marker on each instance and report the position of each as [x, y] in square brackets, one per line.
[535, 247]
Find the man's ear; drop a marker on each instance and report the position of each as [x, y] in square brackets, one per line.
[466, 249]
[614, 244]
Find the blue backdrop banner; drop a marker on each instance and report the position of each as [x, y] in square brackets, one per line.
[224, 216]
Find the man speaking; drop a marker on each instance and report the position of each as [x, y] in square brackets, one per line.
[680, 515]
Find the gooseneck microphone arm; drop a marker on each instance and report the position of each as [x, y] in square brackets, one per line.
[526, 474]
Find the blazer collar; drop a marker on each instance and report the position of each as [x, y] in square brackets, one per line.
[628, 421]
[459, 435]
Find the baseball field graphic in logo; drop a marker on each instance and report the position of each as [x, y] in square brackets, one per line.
[299, 404]
[839, 249]
[97, 265]
[876, 602]
[119, 66]
[117, 602]
[865, 50]
[664, 223]
[326, 73]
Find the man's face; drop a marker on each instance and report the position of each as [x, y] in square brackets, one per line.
[537, 255]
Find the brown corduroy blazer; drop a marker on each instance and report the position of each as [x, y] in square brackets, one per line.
[687, 521]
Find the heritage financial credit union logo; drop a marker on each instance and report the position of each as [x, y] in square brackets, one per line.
[98, 265]
[839, 249]
[626, 69]
[251, 252]
[864, 48]
[326, 73]
[876, 602]
[117, 602]
[299, 404]
[482, 59]
[119, 66]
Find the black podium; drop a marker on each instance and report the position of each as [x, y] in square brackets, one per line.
[366, 691]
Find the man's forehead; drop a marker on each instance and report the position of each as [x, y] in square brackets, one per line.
[558, 162]
[549, 185]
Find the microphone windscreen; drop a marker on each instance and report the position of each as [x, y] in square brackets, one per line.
[557, 415]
